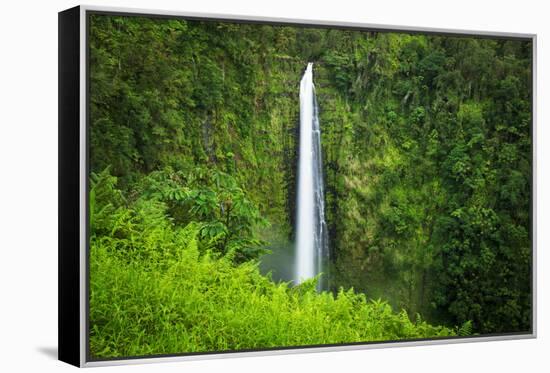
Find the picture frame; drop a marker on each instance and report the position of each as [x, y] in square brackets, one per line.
[74, 186]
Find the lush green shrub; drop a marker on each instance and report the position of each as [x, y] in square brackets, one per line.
[157, 287]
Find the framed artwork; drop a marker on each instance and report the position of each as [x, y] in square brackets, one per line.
[243, 185]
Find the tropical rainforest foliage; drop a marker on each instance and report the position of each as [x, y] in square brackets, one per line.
[164, 288]
[193, 149]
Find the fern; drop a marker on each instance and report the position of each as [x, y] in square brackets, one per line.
[466, 329]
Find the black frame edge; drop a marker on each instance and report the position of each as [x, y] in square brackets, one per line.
[69, 186]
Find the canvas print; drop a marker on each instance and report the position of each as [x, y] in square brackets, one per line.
[258, 186]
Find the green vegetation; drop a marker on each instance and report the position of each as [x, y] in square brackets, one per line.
[428, 158]
[158, 288]
[193, 148]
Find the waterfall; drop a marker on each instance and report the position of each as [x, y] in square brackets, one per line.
[311, 232]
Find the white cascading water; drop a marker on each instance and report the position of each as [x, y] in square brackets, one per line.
[311, 233]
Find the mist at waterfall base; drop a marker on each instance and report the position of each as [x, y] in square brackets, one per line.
[306, 258]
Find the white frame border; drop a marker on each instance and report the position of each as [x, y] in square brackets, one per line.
[299, 350]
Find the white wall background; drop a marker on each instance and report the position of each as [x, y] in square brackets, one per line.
[28, 184]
